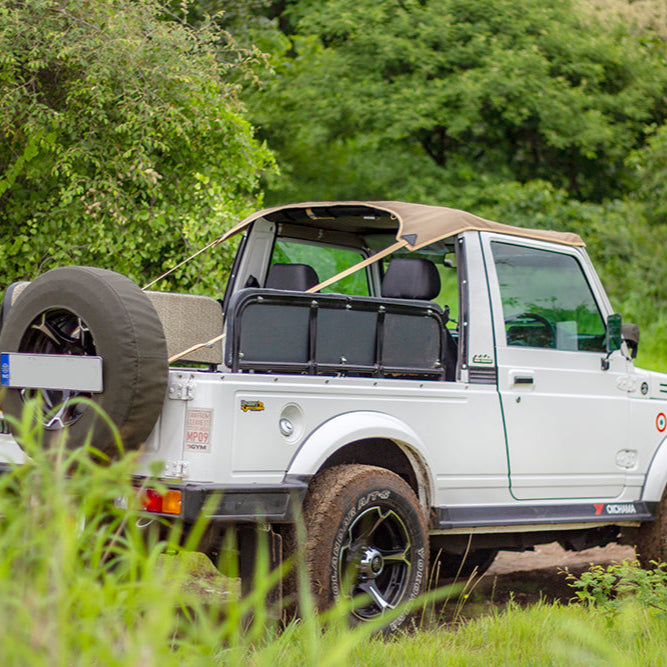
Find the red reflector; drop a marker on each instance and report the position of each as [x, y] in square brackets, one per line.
[151, 501]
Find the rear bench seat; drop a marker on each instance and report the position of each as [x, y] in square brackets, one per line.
[401, 334]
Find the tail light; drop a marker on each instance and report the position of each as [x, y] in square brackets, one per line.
[161, 503]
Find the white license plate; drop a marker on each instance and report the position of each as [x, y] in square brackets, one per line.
[51, 371]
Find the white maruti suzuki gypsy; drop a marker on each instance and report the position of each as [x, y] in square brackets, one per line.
[409, 379]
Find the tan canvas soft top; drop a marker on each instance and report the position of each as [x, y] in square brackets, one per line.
[418, 224]
[415, 226]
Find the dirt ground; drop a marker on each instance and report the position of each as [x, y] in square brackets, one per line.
[548, 556]
[529, 576]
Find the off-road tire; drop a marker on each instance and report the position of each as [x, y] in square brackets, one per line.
[368, 519]
[121, 326]
[650, 539]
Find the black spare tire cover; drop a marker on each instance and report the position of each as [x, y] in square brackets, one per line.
[90, 311]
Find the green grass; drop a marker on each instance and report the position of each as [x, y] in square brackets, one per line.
[80, 585]
[539, 635]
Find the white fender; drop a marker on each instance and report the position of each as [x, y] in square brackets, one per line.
[656, 477]
[351, 426]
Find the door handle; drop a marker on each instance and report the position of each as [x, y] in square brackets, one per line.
[523, 379]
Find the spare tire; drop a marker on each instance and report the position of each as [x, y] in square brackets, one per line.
[84, 310]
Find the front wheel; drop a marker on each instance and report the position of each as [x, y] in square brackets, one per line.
[365, 536]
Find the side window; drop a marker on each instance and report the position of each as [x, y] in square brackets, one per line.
[547, 301]
[327, 261]
[449, 286]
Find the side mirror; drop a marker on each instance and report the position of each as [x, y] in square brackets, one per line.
[613, 338]
[614, 333]
[630, 334]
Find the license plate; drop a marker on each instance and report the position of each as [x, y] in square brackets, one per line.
[51, 371]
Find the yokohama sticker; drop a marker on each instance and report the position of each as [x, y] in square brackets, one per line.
[615, 509]
[661, 422]
[198, 424]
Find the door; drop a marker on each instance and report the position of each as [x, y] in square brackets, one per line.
[566, 418]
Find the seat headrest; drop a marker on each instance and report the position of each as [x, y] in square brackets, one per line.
[294, 277]
[411, 278]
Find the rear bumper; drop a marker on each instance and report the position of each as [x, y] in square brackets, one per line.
[277, 503]
[257, 503]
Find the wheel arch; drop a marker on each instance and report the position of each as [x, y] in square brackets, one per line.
[656, 477]
[371, 438]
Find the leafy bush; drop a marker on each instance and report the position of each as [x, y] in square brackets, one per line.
[124, 142]
[610, 588]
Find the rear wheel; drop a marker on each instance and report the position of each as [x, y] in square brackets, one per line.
[86, 311]
[365, 536]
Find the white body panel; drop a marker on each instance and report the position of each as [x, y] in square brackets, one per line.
[454, 430]
[648, 435]
[564, 431]
[566, 418]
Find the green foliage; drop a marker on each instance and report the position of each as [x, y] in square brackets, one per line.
[518, 90]
[538, 635]
[124, 142]
[59, 536]
[650, 172]
[609, 588]
[646, 16]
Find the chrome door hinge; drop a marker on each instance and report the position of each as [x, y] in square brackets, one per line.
[177, 469]
[181, 387]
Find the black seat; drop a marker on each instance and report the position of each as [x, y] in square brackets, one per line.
[418, 279]
[411, 278]
[273, 331]
[293, 277]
